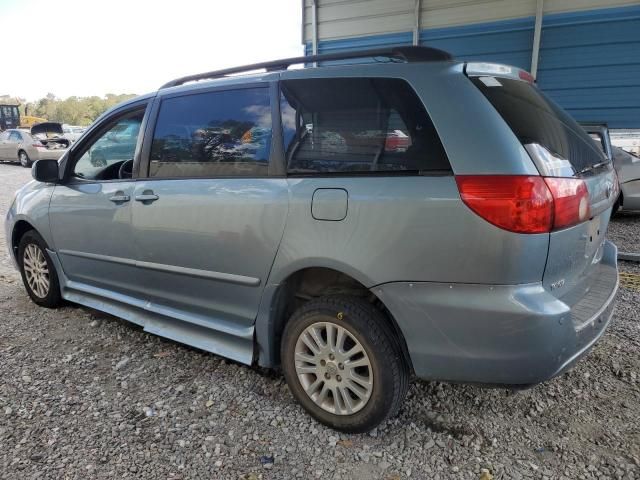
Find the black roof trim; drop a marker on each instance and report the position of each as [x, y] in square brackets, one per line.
[407, 53]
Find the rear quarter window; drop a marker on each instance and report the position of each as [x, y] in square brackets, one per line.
[358, 125]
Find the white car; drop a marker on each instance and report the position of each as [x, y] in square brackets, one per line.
[72, 132]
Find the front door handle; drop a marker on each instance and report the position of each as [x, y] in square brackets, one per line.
[120, 198]
[147, 197]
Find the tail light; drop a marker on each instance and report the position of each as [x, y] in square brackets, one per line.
[570, 199]
[37, 145]
[521, 204]
[526, 204]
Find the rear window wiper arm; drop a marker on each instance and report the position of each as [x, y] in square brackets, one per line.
[593, 167]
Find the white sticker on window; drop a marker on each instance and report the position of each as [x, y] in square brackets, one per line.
[490, 81]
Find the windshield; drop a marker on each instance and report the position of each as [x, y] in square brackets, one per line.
[536, 119]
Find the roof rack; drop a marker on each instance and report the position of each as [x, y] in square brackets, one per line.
[408, 54]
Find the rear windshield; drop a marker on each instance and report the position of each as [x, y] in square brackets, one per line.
[536, 119]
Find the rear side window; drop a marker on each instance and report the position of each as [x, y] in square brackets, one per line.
[357, 125]
[213, 134]
[537, 120]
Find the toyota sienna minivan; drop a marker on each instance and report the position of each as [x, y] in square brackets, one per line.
[275, 219]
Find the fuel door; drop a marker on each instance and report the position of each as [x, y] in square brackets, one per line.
[329, 204]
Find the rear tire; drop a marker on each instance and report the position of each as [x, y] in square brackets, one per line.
[320, 372]
[38, 272]
[24, 159]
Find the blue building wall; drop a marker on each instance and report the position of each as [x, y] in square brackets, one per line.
[590, 64]
[589, 61]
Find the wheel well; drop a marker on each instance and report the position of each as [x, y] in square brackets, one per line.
[21, 227]
[313, 282]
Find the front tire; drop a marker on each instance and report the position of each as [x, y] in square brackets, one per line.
[38, 272]
[24, 159]
[344, 364]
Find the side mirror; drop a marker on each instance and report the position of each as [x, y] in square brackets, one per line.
[45, 171]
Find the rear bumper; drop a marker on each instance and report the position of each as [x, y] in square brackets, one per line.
[499, 334]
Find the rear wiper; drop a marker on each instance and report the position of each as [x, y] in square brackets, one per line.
[593, 167]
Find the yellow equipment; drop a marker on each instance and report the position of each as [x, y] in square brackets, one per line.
[28, 121]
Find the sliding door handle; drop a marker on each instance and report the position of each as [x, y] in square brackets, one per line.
[147, 197]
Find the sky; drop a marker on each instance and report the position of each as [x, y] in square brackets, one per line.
[85, 47]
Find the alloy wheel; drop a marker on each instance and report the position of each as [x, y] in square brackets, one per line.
[333, 368]
[36, 270]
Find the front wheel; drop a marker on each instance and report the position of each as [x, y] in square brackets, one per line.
[24, 159]
[38, 272]
[344, 364]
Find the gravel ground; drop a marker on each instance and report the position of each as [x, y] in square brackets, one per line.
[624, 231]
[85, 395]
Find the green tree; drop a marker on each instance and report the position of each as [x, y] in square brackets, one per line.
[74, 110]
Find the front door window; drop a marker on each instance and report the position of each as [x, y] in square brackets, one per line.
[105, 158]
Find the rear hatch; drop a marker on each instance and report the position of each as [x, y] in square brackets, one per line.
[560, 149]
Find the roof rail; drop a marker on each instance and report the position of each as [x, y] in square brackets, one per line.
[408, 54]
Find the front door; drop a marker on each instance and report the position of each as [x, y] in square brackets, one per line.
[209, 217]
[90, 211]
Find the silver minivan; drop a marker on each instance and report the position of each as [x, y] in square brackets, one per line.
[352, 224]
